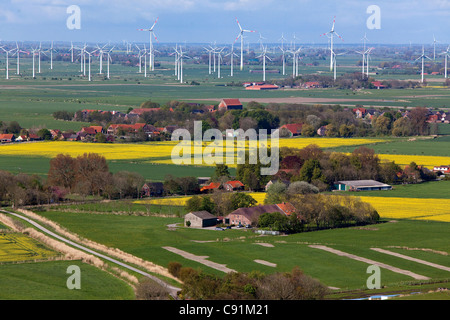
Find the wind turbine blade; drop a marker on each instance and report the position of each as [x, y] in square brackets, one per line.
[239, 24]
[154, 24]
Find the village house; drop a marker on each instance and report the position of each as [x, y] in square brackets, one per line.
[230, 104]
[250, 216]
[7, 137]
[152, 189]
[132, 128]
[233, 185]
[293, 129]
[262, 87]
[311, 84]
[442, 169]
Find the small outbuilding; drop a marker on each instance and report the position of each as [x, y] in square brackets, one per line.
[200, 219]
[361, 185]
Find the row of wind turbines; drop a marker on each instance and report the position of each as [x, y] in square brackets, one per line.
[215, 54]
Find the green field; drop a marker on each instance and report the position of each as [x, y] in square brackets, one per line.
[145, 237]
[47, 281]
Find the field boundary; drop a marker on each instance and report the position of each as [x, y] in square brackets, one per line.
[371, 262]
[438, 266]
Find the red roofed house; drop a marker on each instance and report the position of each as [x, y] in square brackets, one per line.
[6, 137]
[262, 87]
[360, 112]
[249, 216]
[230, 104]
[93, 130]
[443, 169]
[131, 128]
[233, 185]
[311, 84]
[378, 84]
[294, 129]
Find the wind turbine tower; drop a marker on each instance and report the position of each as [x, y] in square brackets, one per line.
[241, 35]
[330, 34]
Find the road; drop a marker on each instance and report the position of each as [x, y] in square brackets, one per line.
[171, 289]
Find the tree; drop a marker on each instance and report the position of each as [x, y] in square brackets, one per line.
[402, 127]
[92, 173]
[311, 170]
[276, 193]
[418, 117]
[242, 200]
[221, 171]
[301, 187]
[62, 171]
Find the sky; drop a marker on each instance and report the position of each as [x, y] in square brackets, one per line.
[214, 21]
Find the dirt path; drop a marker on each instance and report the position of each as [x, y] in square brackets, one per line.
[371, 262]
[434, 265]
[200, 259]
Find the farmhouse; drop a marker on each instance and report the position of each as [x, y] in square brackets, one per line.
[361, 185]
[200, 219]
[233, 185]
[211, 187]
[230, 104]
[443, 169]
[249, 216]
[131, 128]
[7, 137]
[294, 129]
[152, 189]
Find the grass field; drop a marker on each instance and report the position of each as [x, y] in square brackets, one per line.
[145, 237]
[47, 281]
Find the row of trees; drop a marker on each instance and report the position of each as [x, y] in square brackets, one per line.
[294, 285]
[324, 168]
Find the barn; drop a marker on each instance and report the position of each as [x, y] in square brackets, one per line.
[200, 219]
[361, 185]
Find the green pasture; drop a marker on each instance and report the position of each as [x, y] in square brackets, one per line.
[439, 146]
[47, 281]
[145, 237]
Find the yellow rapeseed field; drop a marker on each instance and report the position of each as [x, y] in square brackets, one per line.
[161, 151]
[18, 247]
[411, 208]
[181, 201]
[426, 161]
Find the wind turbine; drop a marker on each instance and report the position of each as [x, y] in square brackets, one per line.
[7, 61]
[181, 55]
[363, 53]
[33, 51]
[334, 62]
[423, 56]
[140, 58]
[109, 58]
[232, 54]
[152, 35]
[71, 50]
[283, 53]
[264, 56]
[294, 61]
[51, 56]
[330, 34]
[240, 35]
[90, 54]
[368, 52]
[18, 51]
[209, 59]
[219, 61]
[260, 40]
[446, 53]
[100, 50]
[434, 47]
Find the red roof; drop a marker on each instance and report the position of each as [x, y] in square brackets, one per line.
[211, 186]
[232, 102]
[287, 208]
[295, 128]
[235, 184]
[262, 87]
[6, 136]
